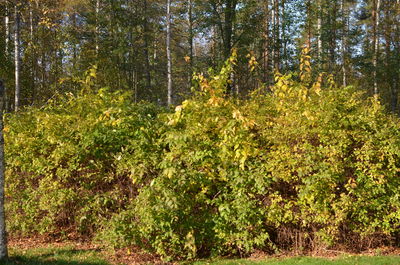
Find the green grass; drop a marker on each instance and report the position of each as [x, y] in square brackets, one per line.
[71, 256]
[349, 260]
[55, 256]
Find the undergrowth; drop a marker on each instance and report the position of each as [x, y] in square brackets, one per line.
[307, 165]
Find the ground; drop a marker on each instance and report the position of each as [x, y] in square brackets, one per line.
[45, 251]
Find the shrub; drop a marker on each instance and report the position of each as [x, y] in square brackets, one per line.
[309, 159]
[301, 166]
[63, 161]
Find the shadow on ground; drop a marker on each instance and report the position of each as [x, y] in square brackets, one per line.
[57, 257]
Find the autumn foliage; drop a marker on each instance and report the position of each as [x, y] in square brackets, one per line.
[301, 165]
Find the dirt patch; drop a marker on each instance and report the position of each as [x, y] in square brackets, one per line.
[135, 256]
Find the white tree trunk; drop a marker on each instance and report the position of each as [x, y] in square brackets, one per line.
[7, 28]
[17, 58]
[319, 31]
[376, 45]
[169, 59]
[31, 22]
[344, 41]
[7, 47]
[97, 26]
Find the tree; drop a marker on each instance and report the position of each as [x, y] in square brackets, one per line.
[169, 59]
[17, 58]
[375, 40]
[344, 13]
[3, 234]
[190, 38]
[7, 28]
[146, 32]
[137, 48]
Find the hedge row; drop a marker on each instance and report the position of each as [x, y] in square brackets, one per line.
[302, 166]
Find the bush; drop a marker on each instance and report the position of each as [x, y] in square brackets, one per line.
[300, 167]
[63, 161]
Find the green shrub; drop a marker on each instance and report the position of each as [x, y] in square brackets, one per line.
[63, 161]
[299, 167]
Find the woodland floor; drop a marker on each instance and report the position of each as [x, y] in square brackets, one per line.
[46, 251]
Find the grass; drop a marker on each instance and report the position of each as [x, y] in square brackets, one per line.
[68, 255]
[345, 260]
[55, 256]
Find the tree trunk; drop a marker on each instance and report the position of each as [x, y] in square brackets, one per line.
[308, 41]
[146, 47]
[390, 67]
[267, 41]
[169, 59]
[319, 31]
[375, 17]
[273, 35]
[332, 42]
[74, 48]
[344, 41]
[230, 14]
[7, 47]
[285, 62]
[397, 51]
[277, 45]
[191, 36]
[17, 58]
[33, 52]
[97, 27]
[7, 29]
[3, 234]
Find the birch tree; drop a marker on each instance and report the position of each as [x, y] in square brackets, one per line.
[169, 58]
[375, 41]
[17, 58]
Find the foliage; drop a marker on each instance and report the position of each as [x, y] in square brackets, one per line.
[63, 170]
[299, 167]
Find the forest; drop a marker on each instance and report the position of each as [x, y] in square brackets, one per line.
[195, 129]
[151, 48]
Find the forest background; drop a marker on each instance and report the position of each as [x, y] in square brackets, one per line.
[152, 51]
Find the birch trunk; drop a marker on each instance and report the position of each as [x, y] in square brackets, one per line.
[7, 29]
[375, 16]
[344, 41]
[17, 58]
[7, 47]
[169, 59]
[97, 27]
